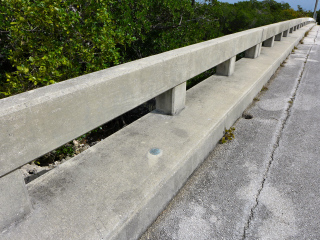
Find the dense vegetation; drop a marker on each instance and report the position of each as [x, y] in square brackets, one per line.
[48, 41]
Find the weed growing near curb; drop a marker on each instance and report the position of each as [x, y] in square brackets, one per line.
[228, 135]
[306, 33]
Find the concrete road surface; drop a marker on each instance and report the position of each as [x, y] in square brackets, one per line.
[265, 183]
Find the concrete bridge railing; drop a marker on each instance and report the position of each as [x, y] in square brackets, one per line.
[36, 122]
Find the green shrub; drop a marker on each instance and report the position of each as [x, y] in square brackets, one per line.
[47, 41]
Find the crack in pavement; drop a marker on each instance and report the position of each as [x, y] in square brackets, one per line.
[276, 144]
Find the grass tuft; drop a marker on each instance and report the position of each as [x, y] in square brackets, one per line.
[228, 135]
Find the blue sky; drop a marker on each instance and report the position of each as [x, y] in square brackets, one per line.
[305, 4]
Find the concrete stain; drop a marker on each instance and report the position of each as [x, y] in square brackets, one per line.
[282, 223]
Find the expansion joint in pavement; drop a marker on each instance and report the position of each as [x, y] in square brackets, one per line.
[275, 147]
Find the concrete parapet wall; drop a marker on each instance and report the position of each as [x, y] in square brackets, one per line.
[120, 182]
[107, 94]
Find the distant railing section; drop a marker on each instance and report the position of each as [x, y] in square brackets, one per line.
[36, 122]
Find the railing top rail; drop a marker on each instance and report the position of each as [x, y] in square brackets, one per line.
[36, 122]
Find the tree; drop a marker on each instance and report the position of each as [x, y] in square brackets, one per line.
[50, 41]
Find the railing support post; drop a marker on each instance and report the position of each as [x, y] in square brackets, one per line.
[278, 37]
[172, 102]
[269, 42]
[294, 28]
[14, 199]
[291, 30]
[226, 68]
[285, 33]
[254, 51]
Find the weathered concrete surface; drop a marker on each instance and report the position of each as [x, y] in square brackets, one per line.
[116, 184]
[14, 199]
[288, 206]
[106, 95]
[276, 28]
[115, 189]
[278, 37]
[173, 101]
[264, 184]
[253, 52]
[269, 42]
[226, 68]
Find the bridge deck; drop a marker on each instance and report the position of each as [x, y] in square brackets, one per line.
[264, 184]
[115, 189]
